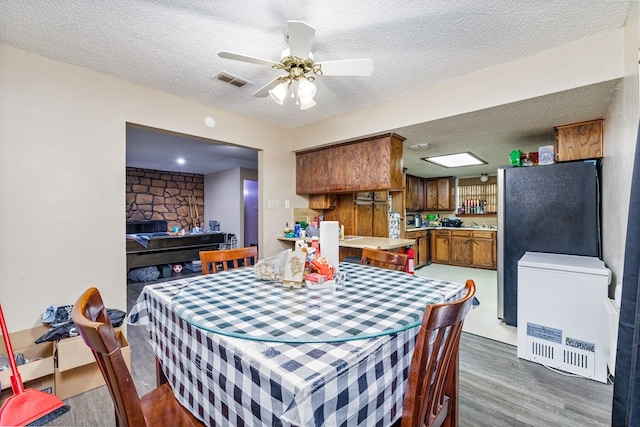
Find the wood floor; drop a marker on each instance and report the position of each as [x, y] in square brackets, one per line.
[496, 388]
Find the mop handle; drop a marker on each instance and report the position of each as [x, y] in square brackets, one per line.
[16, 378]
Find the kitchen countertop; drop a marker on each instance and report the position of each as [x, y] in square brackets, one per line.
[359, 242]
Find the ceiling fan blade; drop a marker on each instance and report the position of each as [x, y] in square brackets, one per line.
[245, 58]
[300, 38]
[347, 67]
[264, 90]
[323, 94]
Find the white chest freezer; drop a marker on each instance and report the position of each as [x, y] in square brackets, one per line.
[561, 318]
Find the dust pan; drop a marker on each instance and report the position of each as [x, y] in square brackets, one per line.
[26, 407]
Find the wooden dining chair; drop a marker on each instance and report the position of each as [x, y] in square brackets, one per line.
[159, 407]
[384, 259]
[225, 257]
[431, 397]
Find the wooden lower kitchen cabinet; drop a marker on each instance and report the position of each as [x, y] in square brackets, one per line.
[483, 249]
[460, 245]
[440, 247]
[468, 248]
[421, 248]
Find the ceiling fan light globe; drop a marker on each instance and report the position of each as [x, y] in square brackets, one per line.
[305, 105]
[306, 90]
[278, 93]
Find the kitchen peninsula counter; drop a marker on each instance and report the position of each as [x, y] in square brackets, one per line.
[353, 245]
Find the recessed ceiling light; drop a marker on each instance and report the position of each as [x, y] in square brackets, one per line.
[180, 161]
[456, 160]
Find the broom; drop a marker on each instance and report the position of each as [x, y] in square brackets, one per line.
[26, 407]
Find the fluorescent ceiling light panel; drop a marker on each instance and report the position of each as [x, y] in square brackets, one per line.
[455, 160]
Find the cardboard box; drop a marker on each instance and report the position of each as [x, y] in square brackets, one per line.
[39, 356]
[45, 384]
[76, 369]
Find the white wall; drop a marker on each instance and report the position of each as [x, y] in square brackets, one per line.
[597, 59]
[62, 148]
[224, 200]
[621, 127]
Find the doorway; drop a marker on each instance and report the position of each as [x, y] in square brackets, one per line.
[250, 212]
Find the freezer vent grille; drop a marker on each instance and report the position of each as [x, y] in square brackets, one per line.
[565, 358]
[579, 361]
[541, 349]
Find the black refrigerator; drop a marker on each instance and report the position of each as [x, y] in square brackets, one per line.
[549, 208]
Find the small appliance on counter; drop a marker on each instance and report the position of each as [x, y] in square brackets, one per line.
[413, 220]
[451, 222]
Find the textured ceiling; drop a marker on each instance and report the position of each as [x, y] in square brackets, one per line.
[172, 45]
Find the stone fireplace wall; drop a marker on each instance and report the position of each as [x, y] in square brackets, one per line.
[161, 195]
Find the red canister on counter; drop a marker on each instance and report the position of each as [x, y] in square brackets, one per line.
[315, 243]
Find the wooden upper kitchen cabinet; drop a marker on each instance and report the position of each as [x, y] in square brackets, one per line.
[440, 194]
[580, 141]
[446, 194]
[322, 201]
[431, 194]
[364, 218]
[415, 193]
[369, 164]
[344, 212]
[380, 220]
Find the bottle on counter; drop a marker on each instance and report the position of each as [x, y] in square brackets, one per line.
[462, 208]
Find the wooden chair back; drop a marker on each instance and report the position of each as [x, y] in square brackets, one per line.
[431, 398]
[92, 321]
[384, 259]
[158, 407]
[226, 256]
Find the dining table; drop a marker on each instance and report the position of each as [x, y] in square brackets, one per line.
[238, 350]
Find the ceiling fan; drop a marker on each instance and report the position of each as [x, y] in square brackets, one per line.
[301, 70]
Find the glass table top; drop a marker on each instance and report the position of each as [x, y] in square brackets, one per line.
[370, 302]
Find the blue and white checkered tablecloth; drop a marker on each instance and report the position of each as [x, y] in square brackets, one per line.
[225, 380]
